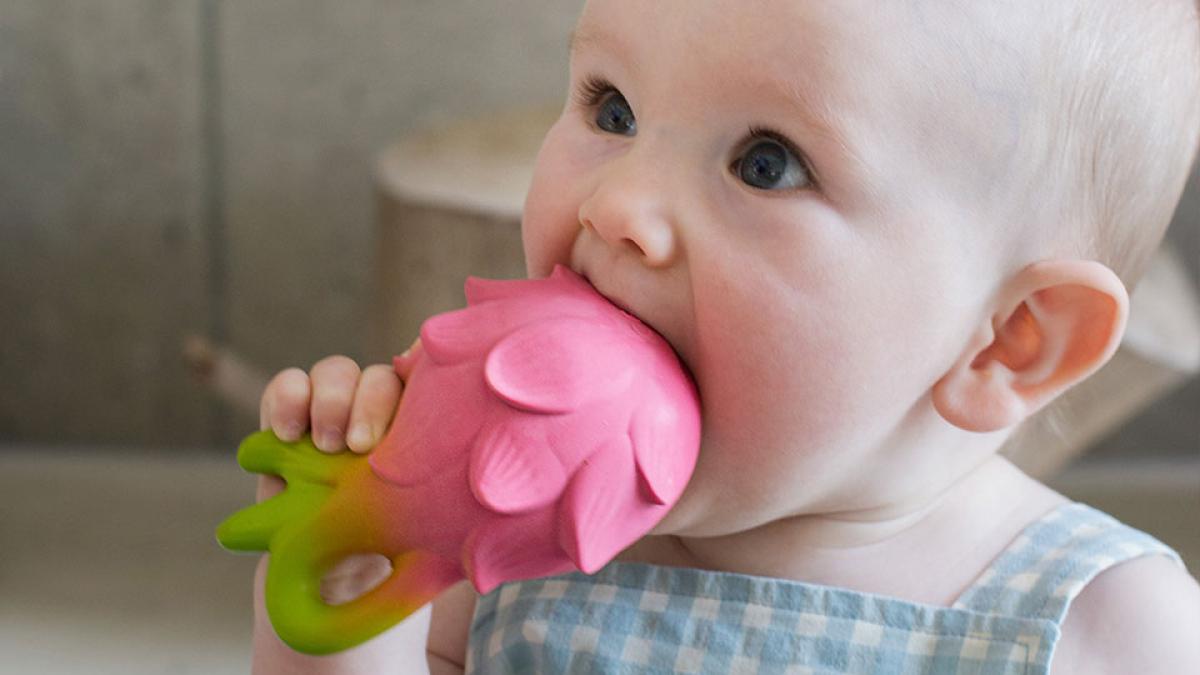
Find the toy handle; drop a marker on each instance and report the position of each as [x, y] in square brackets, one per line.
[305, 622]
[332, 507]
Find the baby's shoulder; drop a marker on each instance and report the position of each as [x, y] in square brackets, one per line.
[1142, 616]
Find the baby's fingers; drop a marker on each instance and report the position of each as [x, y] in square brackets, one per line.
[334, 380]
[374, 405]
[284, 407]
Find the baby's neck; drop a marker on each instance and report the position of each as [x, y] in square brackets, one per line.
[927, 550]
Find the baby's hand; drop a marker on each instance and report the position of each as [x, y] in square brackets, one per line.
[345, 405]
[334, 396]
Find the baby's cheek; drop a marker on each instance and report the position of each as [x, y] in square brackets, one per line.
[783, 418]
[770, 393]
[548, 230]
[812, 388]
[550, 221]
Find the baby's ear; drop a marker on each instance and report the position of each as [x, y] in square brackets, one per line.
[1055, 322]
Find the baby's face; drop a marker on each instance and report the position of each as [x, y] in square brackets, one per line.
[758, 183]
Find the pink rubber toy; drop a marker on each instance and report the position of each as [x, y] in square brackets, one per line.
[542, 429]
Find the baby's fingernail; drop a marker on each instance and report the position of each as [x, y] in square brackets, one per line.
[331, 440]
[291, 432]
[360, 437]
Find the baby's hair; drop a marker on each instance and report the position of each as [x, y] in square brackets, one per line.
[1125, 81]
[1120, 89]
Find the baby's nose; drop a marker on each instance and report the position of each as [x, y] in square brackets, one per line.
[635, 216]
[650, 241]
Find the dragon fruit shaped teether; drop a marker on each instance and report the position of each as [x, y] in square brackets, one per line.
[542, 429]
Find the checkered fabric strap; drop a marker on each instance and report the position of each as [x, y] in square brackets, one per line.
[650, 620]
[633, 618]
[1042, 570]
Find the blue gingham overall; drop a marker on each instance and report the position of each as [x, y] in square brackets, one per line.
[638, 618]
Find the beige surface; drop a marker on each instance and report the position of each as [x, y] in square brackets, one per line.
[108, 563]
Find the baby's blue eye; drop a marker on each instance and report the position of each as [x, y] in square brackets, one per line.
[768, 161]
[615, 116]
[768, 164]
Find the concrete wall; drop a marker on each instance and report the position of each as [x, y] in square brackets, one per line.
[103, 253]
[204, 167]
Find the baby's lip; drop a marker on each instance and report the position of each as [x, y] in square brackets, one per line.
[621, 304]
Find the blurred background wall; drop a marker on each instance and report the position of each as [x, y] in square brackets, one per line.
[205, 167]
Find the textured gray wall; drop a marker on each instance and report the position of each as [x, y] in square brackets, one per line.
[102, 251]
[205, 166]
[311, 93]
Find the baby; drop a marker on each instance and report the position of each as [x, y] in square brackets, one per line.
[881, 235]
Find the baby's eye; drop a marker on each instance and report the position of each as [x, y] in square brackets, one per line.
[615, 116]
[613, 113]
[768, 163]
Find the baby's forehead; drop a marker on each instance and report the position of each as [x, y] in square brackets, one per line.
[896, 87]
[913, 84]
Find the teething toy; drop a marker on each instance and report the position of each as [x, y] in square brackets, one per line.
[542, 429]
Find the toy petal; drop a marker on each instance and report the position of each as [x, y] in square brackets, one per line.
[463, 334]
[657, 445]
[555, 366]
[564, 274]
[508, 550]
[513, 468]
[479, 290]
[595, 523]
[580, 289]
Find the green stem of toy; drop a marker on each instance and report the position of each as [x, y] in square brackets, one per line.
[322, 516]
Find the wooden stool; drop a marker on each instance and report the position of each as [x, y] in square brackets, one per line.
[449, 206]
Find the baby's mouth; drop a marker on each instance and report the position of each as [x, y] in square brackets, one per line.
[621, 304]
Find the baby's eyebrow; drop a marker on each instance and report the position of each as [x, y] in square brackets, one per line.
[584, 37]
